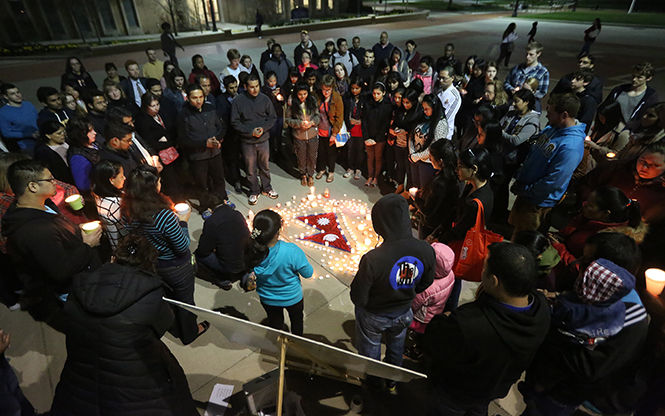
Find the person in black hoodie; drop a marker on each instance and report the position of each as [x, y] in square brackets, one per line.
[52, 150]
[482, 348]
[116, 362]
[45, 248]
[388, 279]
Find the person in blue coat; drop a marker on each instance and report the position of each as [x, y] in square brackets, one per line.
[278, 266]
[543, 179]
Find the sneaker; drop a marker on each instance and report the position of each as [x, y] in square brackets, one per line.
[229, 203]
[358, 174]
[237, 187]
[303, 180]
[319, 175]
[391, 386]
[330, 177]
[253, 199]
[310, 181]
[348, 173]
[271, 194]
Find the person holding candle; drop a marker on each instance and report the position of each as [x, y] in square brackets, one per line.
[331, 119]
[597, 337]
[46, 249]
[388, 279]
[148, 210]
[405, 117]
[432, 126]
[303, 118]
[278, 267]
[354, 104]
[116, 362]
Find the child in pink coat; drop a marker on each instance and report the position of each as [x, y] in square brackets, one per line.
[429, 303]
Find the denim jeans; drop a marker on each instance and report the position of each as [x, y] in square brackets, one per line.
[257, 157]
[371, 327]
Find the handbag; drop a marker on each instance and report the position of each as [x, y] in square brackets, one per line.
[168, 155]
[343, 136]
[471, 252]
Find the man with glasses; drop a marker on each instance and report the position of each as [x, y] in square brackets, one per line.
[450, 98]
[595, 87]
[45, 248]
[118, 147]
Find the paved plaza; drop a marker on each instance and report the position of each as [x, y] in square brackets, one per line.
[38, 353]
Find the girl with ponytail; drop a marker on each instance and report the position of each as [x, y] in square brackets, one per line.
[278, 266]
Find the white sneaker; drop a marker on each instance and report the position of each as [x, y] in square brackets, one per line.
[253, 199]
[348, 173]
[271, 194]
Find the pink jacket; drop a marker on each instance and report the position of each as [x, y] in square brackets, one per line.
[429, 303]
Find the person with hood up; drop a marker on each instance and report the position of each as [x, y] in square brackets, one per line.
[279, 64]
[277, 266]
[388, 279]
[543, 179]
[597, 338]
[482, 348]
[430, 303]
[116, 362]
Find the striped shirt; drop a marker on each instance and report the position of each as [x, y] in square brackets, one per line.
[169, 235]
[114, 226]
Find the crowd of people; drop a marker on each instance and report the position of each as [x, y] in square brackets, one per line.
[444, 138]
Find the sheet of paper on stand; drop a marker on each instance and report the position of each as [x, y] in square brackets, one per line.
[217, 404]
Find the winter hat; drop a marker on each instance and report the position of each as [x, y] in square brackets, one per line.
[603, 282]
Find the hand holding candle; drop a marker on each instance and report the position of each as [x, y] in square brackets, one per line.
[183, 211]
[413, 192]
[75, 202]
[92, 232]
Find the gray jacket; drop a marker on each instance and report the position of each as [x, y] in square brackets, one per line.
[294, 120]
[527, 127]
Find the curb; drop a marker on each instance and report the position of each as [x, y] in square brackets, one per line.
[226, 35]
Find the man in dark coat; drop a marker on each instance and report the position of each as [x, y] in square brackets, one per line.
[482, 348]
[45, 248]
[134, 85]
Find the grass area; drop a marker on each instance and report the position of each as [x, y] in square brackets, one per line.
[443, 5]
[606, 16]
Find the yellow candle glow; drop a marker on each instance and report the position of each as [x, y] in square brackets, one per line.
[655, 279]
[182, 208]
[610, 155]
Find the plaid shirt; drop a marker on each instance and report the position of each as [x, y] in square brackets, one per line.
[520, 73]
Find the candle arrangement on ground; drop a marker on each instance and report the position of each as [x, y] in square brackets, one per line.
[335, 232]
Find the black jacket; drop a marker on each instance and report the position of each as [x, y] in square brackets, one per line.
[129, 159]
[438, 203]
[366, 74]
[297, 53]
[594, 89]
[196, 127]
[249, 112]
[391, 275]
[443, 62]
[376, 119]
[98, 121]
[226, 234]
[54, 163]
[483, 347]
[649, 98]
[46, 250]
[467, 209]
[152, 132]
[61, 116]
[587, 109]
[116, 363]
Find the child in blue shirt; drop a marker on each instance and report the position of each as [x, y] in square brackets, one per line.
[278, 266]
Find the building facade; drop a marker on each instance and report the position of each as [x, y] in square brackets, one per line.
[26, 21]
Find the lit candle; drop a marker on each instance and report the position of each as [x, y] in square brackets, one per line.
[655, 281]
[75, 202]
[90, 227]
[182, 208]
[311, 190]
[610, 155]
[413, 191]
[326, 193]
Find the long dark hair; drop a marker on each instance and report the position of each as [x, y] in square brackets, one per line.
[170, 79]
[310, 101]
[135, 250]
[265, 227]
[77, 131]
[481, 159]
[535, 241]
[510, 29]
[444, 151]
[146, 100]
[620, 207]
[102, 174]
[437, 115]
[68, 65]
[49, 127]
[142, 201]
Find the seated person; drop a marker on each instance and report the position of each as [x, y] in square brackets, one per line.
[545, 254]
[222, 244]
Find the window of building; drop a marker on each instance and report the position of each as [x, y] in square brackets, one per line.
[82, 20]
[106, 16]
[53, 18]
[130, 13]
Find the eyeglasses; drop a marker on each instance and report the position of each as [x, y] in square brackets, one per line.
[52, 180]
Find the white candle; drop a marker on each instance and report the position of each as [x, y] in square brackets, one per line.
[182, 208]
[655, 279]
[90, 227]
[412, 192]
